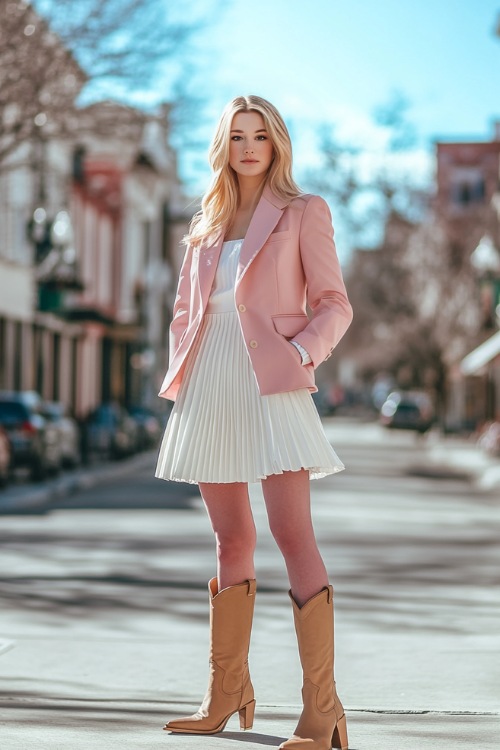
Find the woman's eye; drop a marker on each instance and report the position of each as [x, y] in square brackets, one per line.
[236, 137]
[262, 137]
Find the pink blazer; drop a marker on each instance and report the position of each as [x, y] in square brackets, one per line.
[287, 261]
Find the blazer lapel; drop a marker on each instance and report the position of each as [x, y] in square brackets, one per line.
[207, 265]
[266, 215]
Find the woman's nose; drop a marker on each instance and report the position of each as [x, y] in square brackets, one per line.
[248, 149]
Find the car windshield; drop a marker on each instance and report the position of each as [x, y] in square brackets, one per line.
[12, 413]
[52, 412]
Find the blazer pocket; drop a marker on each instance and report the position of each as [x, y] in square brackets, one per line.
[289, 325]
[276, 236]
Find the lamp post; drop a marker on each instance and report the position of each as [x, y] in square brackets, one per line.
[486, 263]
[52, 237]
[56, 269]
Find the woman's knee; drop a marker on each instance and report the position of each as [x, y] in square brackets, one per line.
[292, 541]
[237, 544]
[237, 538]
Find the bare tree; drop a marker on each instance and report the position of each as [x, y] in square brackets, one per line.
[364, 199]
[416, 310]
[49, 50]
[414, 296]
[121, 41]
[39, 78]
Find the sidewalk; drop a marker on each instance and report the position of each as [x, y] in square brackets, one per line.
[462, 455]
[42, 496]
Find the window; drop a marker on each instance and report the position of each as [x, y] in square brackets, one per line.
[467, 187]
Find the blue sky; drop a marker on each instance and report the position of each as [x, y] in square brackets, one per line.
[334, 61]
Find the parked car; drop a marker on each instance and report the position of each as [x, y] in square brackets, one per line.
[410, 410]
[5, 457]
[111, 431]
[34, 440]
[321, 402]
[68, 431]
[148, 425]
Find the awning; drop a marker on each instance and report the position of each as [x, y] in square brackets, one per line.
[480, 357]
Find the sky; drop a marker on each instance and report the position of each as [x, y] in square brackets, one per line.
[333, 61]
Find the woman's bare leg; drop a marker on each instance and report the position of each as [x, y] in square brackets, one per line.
[230, 513]
[288, 503]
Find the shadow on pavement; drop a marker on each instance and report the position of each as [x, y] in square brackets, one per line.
[142, 492]
[253, 737]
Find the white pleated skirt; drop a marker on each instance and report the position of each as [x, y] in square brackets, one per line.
[222, 430]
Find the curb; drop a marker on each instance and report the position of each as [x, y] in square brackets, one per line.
[39, 499]
[466, 461]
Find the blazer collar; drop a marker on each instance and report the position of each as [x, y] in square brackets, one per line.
[267, 213]
[272, 198]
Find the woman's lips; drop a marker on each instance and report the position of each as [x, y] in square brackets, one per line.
[249, 161]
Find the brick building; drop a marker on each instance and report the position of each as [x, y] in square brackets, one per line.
[467, 202]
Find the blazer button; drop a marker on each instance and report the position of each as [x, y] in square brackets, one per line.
[253, 344]
[242, 308]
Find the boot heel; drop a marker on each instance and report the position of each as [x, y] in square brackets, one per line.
[339, 736]
[246, 715]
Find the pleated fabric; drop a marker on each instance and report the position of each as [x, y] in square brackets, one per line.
[221, 429]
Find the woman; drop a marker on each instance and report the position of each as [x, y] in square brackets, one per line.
[242, 357]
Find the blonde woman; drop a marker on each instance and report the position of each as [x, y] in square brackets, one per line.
[242, 356]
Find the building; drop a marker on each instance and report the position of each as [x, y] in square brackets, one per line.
[468, 204]
[31, 340]
[126, 200]
[467, 179]
[86, 279]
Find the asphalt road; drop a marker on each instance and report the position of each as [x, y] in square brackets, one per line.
[103, 609]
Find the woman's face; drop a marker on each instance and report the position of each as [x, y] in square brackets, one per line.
[250, 148]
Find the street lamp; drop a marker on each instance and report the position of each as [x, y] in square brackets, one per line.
[56, 269]
[486, 262]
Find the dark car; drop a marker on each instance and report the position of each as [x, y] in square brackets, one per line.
[5, 457]
[411, 410]
[68, 431]
[34, 440]
[149, 426]
[111, 432]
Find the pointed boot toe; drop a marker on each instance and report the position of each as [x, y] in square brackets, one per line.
[322, 724]
[229, 689]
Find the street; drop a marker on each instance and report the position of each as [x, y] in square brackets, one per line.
[103, 620]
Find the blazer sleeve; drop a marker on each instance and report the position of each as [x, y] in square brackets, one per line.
[326, 292]
[180, 314]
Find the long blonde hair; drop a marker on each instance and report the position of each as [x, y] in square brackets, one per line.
[220, 202]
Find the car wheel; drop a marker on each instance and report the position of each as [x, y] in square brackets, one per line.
[38, 470]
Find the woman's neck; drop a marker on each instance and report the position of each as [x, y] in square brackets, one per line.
[250, 192]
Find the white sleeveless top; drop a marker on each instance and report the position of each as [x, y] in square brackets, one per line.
[222, 294]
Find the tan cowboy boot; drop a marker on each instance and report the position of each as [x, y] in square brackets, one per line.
[229, 687]
[322, 724]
